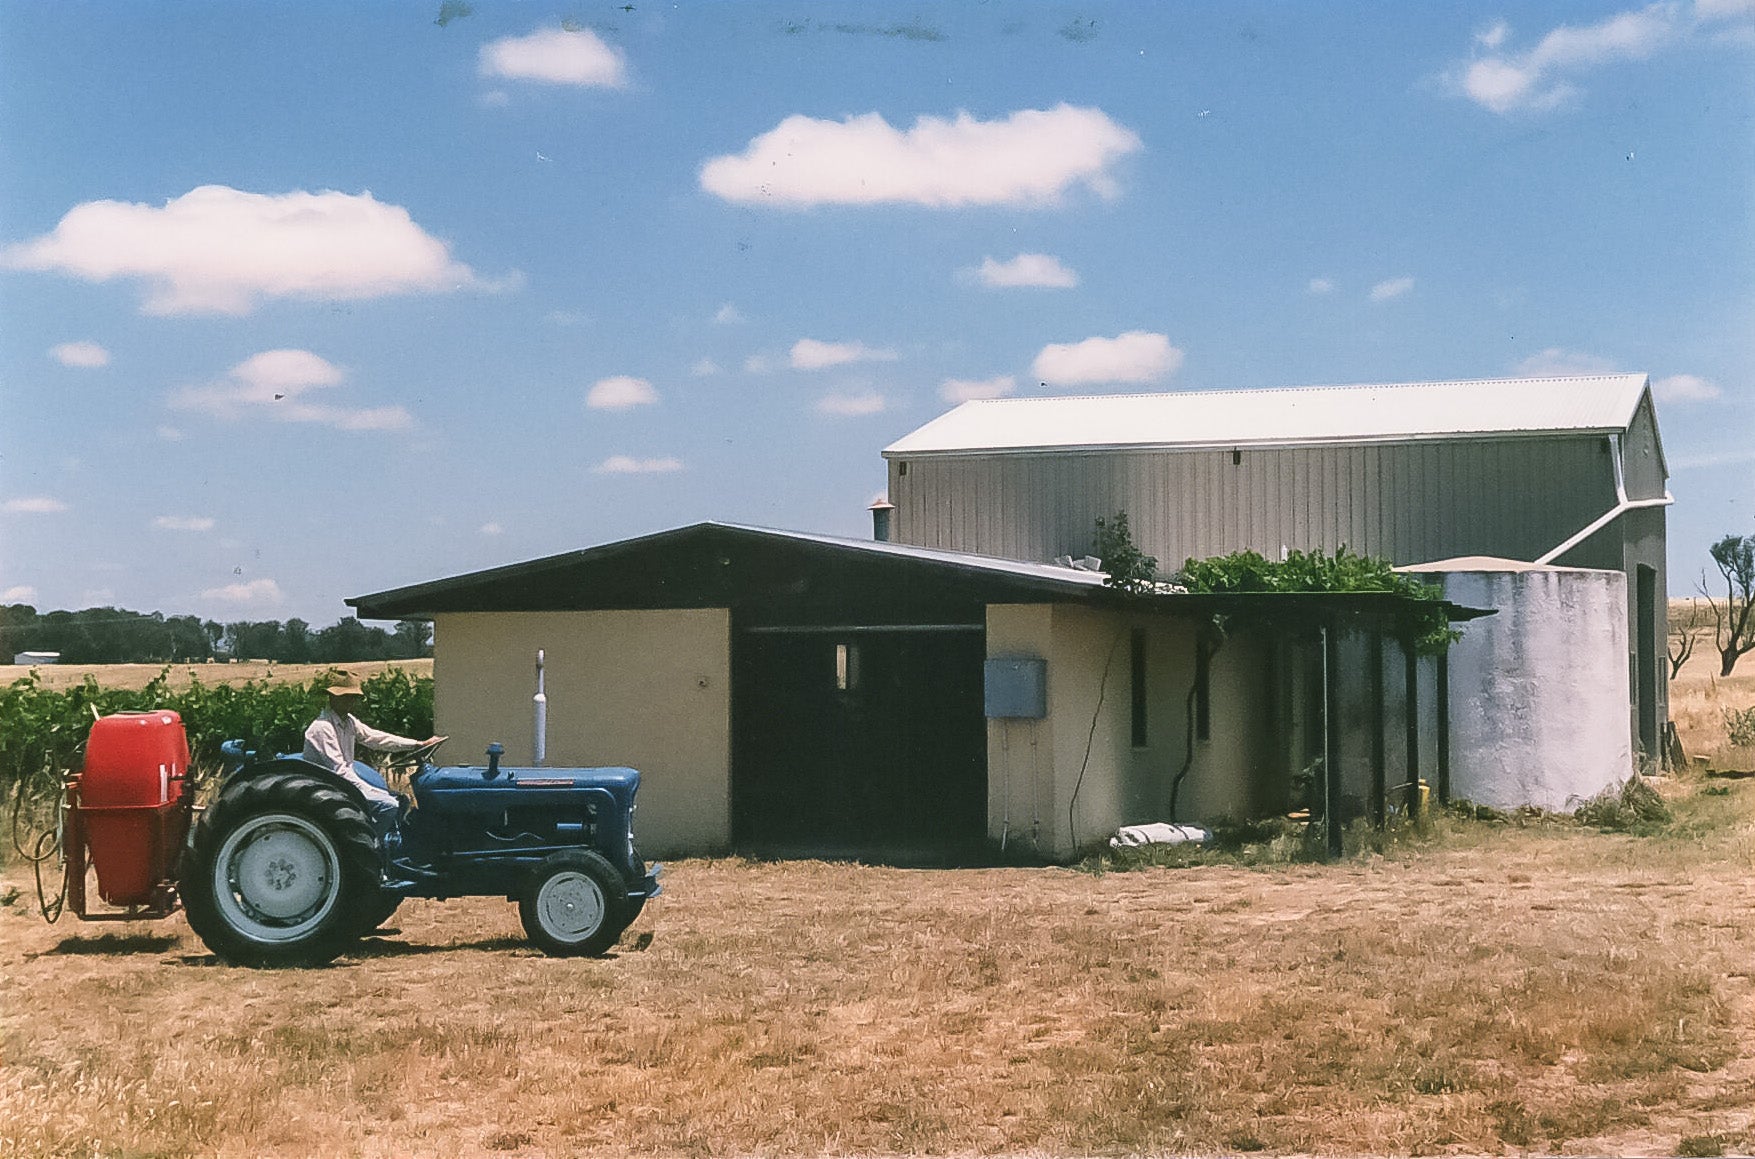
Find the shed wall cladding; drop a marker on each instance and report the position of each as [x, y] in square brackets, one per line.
[1409, 502]
[1643, 461]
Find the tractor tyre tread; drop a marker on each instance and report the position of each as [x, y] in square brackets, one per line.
[618, 909]
[356, 844]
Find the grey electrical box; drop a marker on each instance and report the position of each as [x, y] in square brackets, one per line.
[1016, 687]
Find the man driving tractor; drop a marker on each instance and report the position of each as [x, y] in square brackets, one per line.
[331, 738]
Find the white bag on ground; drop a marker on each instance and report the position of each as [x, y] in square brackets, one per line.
[1158, 833]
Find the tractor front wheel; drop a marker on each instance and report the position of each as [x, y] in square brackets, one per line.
[281, 872]
[574, 905]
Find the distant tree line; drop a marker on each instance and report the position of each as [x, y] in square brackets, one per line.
[118, 636]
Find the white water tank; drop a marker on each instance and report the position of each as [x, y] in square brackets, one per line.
[1538, 692]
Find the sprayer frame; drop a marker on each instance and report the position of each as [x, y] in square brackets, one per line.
[164, 901]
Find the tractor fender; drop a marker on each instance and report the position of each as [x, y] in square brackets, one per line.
[293, 764]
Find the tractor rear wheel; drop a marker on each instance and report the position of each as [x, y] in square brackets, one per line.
[575, 905]
[282, 871]
[381, 908]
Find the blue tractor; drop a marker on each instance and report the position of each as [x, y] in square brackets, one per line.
[288, 866]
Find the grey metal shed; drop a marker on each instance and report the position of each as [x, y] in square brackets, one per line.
[1566, 471]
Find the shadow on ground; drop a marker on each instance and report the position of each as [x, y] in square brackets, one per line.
[115, 944]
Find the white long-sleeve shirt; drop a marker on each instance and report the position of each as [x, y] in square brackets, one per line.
[332, 737]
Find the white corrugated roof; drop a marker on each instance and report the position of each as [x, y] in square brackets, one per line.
[1296, 415]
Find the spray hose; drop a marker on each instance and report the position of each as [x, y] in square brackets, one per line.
[39, 849]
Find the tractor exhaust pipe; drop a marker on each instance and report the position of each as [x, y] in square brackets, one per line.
[541, 746]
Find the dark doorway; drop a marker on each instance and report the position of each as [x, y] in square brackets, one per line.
[1645, 658]
[859, 742]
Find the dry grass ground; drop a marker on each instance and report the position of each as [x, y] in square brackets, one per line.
[1485, 988]
[138, 675]
[1700, 698]
[1489, 988]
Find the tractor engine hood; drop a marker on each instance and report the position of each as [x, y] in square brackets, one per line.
[470, 788]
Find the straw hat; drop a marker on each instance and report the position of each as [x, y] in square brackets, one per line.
[344, 684]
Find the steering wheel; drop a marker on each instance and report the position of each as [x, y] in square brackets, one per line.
[415, 758]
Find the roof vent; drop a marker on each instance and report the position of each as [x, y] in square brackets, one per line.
[880, 520]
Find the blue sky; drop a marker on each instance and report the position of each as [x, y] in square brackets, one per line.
[299, 302]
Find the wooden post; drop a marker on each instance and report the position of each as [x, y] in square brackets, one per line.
[1379, 746]
[1331, 774]
[1411, 675]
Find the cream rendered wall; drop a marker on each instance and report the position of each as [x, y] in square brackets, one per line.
[1020, 753]
[1091, 655]
[1234, 774]
[648, 689]
[1035, 794]
[1033, 767]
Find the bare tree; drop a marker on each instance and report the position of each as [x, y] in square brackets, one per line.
[1731, 628]
[1684, 634]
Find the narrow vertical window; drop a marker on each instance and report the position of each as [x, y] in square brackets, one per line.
[1137, 663]
[846, 668]
[1203, 722]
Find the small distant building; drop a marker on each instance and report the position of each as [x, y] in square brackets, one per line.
[35, 658]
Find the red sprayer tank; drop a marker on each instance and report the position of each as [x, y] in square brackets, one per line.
[130, 802]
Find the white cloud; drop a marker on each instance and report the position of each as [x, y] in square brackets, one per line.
[727, 315]
[170, 434]
[1042, 270]
[273, 383]
[1493, 36]
[555, 56]
[1685, 388]
[1534, 79]
[22, 594]
[1136, 356]
[492, 529]
[183, 523]
[1321, 286]
[759, 364]
[1391, 288]
[628, 465]
[810, 354]
[277, 372]
[1557, 362]
[33, 505]
[1030, 158]
[218, 250]
[255, 593]
[87, 355]
[851, 405]
[964, 389]
[620, 392]
[704, 368]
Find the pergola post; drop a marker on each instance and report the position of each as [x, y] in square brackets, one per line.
[1379, 724]
[1411, 674]
[1331, 774]
[1443, 698]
